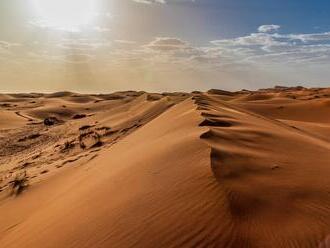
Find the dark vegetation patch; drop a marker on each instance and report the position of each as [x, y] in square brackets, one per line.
[50, 121]
[79, 116]
[68, 145]
[103, 128]
[5, 105]
[30, 137]
[19, 183]
[85, 127]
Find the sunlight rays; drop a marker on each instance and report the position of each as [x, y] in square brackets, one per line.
[67, 15]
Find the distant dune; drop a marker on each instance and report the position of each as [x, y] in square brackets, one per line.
[137, 169]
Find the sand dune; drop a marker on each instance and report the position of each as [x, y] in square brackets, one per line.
[134, 169]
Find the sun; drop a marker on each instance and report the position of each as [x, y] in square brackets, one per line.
[65, 14]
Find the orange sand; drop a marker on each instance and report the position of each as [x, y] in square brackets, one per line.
[132, 169]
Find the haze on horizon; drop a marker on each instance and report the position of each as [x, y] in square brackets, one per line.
[162, 45]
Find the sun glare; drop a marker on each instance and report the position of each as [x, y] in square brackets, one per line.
[65, 14]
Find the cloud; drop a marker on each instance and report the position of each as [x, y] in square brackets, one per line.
[45, 25]
[76, 58]
[257, 49]
[307, 37]
[254, 39]
[268, 28]
[5, 46]
[269, 48]
[254, 57]
[167, 44]
[149, 1]
[160, 1]
[101, 29]
[73, 57]
[125, 42]
[83, 44]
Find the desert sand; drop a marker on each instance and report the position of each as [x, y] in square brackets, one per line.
[137, 169]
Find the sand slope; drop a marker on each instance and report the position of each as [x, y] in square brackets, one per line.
[273, 176]
[219, 169]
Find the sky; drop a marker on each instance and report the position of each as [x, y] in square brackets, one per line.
[162, 45]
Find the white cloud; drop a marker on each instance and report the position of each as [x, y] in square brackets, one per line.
[167, 44]
[254, 39]
[316, 37]
[271, 48]
[160, 1]
[101, 29]
[268, 28]
[251, 58]
[125, 42]
[150, 1]
[257, 49]
[5, 46]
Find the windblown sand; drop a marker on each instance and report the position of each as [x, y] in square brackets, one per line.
[133, 169]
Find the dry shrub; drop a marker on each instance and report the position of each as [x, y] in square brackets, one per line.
[19, 183]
